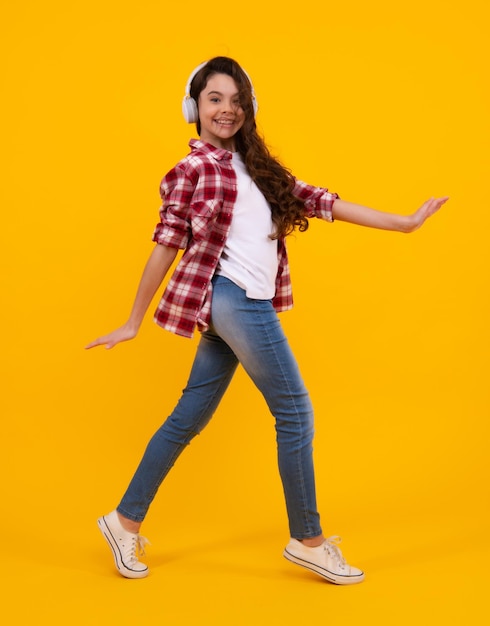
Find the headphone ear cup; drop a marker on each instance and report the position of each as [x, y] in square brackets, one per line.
[189, 109]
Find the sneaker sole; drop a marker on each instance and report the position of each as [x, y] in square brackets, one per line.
[324, 573]
[121, 567]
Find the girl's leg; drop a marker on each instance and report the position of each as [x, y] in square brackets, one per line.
[252, 329]
[212, 371]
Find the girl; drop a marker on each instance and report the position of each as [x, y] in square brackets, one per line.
[230, 205]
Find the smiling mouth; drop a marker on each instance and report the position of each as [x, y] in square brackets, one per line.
[225, 122]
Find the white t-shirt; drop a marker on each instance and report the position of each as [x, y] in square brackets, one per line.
[250, 256]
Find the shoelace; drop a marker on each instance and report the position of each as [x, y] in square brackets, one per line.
[138, 543]
[331, 546]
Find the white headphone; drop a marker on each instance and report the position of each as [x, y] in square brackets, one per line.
[189, 105]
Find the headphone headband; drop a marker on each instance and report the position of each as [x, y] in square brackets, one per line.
[189, 105]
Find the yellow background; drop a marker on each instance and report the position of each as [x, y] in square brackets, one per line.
[385, 103]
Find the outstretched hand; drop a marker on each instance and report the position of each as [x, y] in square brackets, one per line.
[429, 207]
[124, 333]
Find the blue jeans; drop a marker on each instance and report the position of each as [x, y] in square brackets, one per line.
[242, 331]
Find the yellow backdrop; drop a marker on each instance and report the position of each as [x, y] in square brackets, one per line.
[385, 103]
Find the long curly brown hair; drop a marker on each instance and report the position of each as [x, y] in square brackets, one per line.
[274, 180]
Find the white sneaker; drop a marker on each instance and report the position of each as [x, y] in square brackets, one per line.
[124, 546]
[325, 560]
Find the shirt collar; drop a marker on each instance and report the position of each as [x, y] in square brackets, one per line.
[217, 153]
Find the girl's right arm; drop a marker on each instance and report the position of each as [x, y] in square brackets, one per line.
[155, 271]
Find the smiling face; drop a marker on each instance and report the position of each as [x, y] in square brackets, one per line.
[220, 113]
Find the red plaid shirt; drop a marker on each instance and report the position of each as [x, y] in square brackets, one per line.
[198, 197]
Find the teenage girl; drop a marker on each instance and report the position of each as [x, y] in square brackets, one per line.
[230, 205]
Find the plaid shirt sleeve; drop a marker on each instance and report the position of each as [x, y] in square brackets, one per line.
[174, 229]
[318, 200]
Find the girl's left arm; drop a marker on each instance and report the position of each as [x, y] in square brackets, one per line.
[363, 216]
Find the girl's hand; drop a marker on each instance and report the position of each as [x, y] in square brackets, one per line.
[125, 333]
[429, 207]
